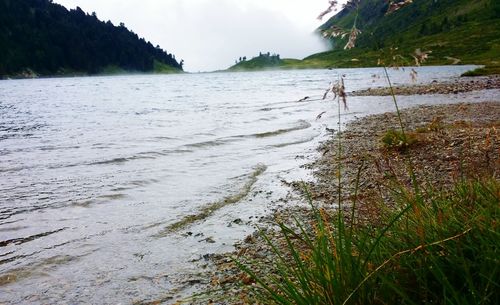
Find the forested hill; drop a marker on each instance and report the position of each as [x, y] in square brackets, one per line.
[38, 37]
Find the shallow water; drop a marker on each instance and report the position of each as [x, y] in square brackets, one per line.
[110, 187]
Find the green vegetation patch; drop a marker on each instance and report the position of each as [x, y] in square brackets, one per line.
[437, 247]
[162, 68]
[261, 62]
[397, 140]
[488, 70]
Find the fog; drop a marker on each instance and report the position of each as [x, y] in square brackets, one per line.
[211, 34]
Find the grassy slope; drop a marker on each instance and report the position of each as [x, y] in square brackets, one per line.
[475, 40]
[161, 68]
[258, 63]
[471, 34]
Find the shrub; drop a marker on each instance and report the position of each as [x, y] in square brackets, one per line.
[398, 140]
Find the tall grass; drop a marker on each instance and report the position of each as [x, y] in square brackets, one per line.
[441, 250]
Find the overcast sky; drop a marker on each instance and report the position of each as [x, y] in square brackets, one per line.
[210, 34]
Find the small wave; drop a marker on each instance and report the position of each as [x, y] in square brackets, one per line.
[13, 229]
[281, 145]
[38, 268]
[134, 184]
[292, 103]
[153, 110]
[209, 134]
[52, 148]
[209, 209]
[267, 109]
[111, 197]
[302, 125]
[113, 161]
[21, 129]
[19, 241]
[139, 156]
[163, 138]
[25, 131]
[213, 143]
[14, 169]
[103, 145]
[102, 199]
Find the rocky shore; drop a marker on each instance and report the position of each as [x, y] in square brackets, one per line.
[464, 84]
[450, 142]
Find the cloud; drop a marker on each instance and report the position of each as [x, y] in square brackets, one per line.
[225, 32]
[211, 34]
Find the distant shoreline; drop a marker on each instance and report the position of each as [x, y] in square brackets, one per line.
[78, 74]
[480, 71]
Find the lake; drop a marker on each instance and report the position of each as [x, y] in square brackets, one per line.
[113, 188]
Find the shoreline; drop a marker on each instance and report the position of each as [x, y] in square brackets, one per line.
[452, 140]
[83, 74]
[460, 85]
[35, 75]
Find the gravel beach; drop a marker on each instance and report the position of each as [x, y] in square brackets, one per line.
[463, 84]
[450, 141]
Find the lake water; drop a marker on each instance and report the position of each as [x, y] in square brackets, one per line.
[98, 174]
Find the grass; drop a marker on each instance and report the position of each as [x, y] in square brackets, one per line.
[397, 140]
[112, 70]
[261, 62]
[441, 248]
[161, 68]
[488, 70]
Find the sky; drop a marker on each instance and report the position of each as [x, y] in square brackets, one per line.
[211, 34]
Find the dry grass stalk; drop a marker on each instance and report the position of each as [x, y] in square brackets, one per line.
[331, 8]
[420, 56]
[394, 6]
[352, 38]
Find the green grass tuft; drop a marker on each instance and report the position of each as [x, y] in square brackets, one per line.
[484, 71]
[438, 249]
[161, 68]
[397, 140]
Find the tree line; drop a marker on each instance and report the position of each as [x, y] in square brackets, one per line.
[47, 38]
[264, 57]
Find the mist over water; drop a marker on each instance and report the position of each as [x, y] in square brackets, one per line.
[113, 189]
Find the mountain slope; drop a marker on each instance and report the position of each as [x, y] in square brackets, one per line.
[454, 30]
[40, 36]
